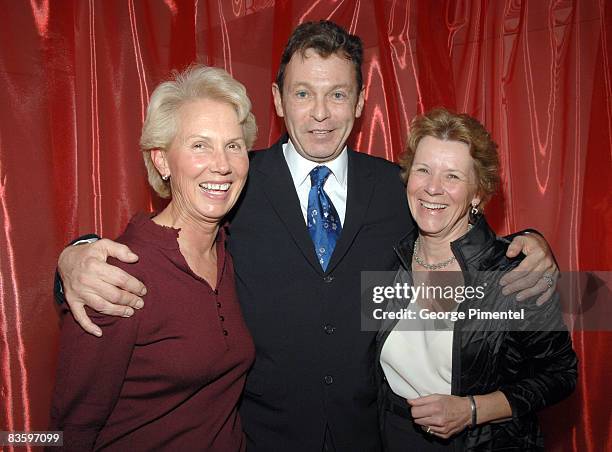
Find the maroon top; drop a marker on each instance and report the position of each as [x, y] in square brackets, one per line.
[169, 377]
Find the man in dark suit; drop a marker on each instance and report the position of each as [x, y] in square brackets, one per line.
[313, 216]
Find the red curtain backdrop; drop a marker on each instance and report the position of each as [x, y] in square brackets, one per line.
[76, 75]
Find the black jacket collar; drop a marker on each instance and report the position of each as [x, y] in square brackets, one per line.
[467, 249]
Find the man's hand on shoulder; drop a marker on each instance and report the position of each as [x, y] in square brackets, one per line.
[89, 281]
[537, 274]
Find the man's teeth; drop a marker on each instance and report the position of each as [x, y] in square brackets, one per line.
[431, 205]
[215, 187]
[320, 132]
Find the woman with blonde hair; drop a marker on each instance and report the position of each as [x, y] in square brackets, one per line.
[170, 377]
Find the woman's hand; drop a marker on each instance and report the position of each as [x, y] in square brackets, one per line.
[441, 415]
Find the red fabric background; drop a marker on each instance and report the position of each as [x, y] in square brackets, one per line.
[76, 75]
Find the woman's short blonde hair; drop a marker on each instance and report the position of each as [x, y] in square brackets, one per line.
[445, 125]
[196, 82]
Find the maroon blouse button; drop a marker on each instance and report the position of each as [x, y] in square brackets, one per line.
[218, 304]
[221, 318]
[225, 333]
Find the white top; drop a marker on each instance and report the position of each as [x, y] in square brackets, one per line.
[418, 363]
[335, 186]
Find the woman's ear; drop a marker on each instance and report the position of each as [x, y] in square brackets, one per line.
[158, 156]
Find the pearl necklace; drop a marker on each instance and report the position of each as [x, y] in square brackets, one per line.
[430, 267]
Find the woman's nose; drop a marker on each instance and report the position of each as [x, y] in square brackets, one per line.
[434, 185]
[219, 162]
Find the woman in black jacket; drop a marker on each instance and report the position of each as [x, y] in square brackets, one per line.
[465, 367]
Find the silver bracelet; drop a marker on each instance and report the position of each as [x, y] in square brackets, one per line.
[473, 409]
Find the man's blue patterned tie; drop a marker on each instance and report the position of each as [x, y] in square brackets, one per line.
[323, 221]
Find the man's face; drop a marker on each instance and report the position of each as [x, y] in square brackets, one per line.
[319, 102]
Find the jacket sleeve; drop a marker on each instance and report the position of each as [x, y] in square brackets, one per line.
[545, 364]
[90, 374]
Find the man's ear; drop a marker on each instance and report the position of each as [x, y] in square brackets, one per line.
[278, 100]
[158, 156]
[360, 103]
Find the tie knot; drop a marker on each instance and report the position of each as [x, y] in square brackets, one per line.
[319, 175]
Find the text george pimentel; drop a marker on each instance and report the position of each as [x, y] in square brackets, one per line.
[455, 294]
[453, 316]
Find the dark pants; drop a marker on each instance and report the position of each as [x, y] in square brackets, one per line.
[328, 441]
[401, 434]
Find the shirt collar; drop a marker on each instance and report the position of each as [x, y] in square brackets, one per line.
[300, 167]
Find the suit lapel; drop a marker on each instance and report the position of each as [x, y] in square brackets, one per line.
[359, 193]
[280, 191]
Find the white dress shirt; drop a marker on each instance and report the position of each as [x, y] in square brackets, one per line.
[335, 186]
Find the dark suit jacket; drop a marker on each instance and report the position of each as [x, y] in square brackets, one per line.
[314, 366]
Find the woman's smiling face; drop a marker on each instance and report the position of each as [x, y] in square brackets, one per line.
[207, 160]
[441, 187]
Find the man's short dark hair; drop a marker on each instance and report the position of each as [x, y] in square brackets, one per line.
[325, 38]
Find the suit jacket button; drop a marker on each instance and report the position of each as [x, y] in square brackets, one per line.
[328, 279]
[329, 329]
[328, 379]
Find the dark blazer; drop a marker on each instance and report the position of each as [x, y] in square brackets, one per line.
[314, 366]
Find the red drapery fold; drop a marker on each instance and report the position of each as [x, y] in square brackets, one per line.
[76, 75]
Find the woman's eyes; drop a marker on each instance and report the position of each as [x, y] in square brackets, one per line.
[201, 147]
[235, 147]
[450, 176]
